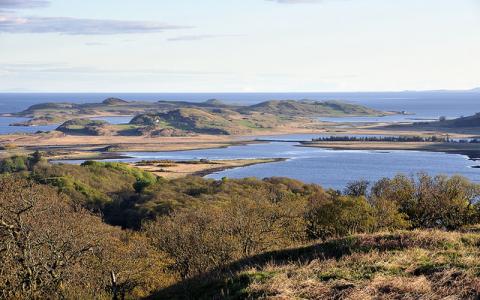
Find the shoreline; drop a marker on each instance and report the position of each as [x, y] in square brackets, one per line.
[171, 169]
[471, 151]
[204, 173]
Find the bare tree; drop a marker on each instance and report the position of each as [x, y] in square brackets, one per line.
[42, 236]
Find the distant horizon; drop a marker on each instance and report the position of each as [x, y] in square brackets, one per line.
[475, 89]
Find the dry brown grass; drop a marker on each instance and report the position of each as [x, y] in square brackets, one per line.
[408, 265]
[401, 265]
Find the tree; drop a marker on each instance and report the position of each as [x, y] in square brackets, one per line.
[192, 239]
[201, 238]
[357, 188]
[52, 249]
[335, 215]
[35, 158]
[141, 184]
[42, 237]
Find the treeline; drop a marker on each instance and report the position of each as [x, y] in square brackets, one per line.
[57, 238]
[399, 139]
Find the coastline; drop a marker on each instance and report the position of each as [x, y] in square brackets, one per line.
[179, 169]
[220, 169]
[59, 146]
[472, 151]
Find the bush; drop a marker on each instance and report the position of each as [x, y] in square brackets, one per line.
[335, 216]
[431, 202]
[14, 164]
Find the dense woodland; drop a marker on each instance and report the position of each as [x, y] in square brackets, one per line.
[107, 230]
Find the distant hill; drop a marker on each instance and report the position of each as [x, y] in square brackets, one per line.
[464, 125]
[463, 122]
[83, 127]
[189, 120]
[114, 101]
[470, 121]
[50, 106]
[311, 108]
[214, 102]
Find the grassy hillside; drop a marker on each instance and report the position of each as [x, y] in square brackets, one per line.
[401, 265]
[469, 122]
[83, 127]
[190, 120]
[311, 108]
[234, 120]
[465, 125]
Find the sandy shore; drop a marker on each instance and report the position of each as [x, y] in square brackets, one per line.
[470, 150]
[57, 145]
[171, 170]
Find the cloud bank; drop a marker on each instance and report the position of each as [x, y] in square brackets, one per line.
[30, 68]
[79, 26]
[16, 4]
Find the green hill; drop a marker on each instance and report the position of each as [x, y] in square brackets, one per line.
[83, 127]
[465, 125]
[190, 120]
[114, 101]
[311, 108]
[470, 121]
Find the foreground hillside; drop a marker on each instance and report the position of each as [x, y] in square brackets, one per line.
[104, 230]
[421, 264]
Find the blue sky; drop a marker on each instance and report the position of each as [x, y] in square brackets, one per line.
[238, 45]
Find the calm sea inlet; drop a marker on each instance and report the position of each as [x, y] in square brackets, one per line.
[329, 168]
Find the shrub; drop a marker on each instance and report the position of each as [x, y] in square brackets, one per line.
[14, 164]
[335, 216]
[432, 202]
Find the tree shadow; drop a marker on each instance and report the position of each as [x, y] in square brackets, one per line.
[228, 282]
